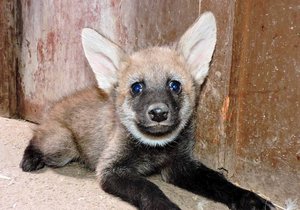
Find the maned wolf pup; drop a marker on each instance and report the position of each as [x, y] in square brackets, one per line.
[138, 122]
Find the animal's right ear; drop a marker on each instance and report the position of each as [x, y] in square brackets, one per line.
[104, 57]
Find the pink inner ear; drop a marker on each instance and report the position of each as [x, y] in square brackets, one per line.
[101, 64]
[200, 53]
[197, 60]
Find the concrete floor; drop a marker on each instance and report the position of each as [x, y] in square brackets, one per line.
[70, 187]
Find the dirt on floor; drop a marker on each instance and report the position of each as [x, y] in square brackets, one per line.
[70, 187]
[73, 187]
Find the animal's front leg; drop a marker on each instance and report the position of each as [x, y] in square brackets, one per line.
[197, 178]
[135, 189]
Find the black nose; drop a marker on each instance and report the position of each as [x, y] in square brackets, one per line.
[158, 112]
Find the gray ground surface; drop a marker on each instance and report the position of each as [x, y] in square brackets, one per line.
[70, 187]
[73, 187]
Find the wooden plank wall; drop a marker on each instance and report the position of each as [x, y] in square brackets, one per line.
[249, 114]
[265, 96]
[53, 64]
[212, 145]
[267, 61]
[9, 46]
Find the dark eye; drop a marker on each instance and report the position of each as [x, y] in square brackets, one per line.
[137, 88]
[175, 86]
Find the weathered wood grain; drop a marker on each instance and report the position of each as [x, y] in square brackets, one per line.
[53, 64]
[265, 85]
[264, 98]
[9, 46]
[212, 145]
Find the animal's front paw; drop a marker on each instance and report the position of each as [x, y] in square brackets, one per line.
[32, 159]
[251, 201]
[160, 205]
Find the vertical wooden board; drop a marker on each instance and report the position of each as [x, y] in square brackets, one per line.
[214, 101]
[53, 64]
[8, 57]
[265, 87]
[149, 23]
[269, 96]
[52, 60]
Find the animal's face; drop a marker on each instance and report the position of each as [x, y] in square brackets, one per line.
[154, 89]
[155, 95]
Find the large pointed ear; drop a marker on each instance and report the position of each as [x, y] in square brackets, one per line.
[104, 57]
[197, 45]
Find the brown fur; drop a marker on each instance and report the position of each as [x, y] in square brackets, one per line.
[73, 126]
[85, 123]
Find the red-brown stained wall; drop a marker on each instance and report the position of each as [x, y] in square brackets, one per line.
[212, 145]
[53, 64]
[264, 97]
[268, 84]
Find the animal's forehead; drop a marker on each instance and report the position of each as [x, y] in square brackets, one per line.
[156, 64]
[157, 55]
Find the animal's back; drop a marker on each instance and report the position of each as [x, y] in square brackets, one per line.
[82, 122]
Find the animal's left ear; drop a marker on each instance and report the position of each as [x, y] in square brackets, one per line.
[197, 45]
